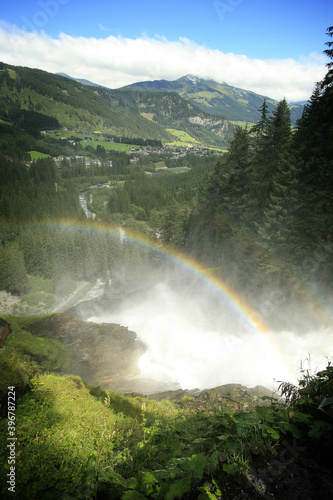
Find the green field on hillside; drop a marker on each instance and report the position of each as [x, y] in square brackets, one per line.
[116, 146]
[182, 138]
[242, 124]
[96, 140]
[160, 164]
[37, 155]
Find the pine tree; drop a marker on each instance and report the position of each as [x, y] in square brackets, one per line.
[279, 225]
[314, 144]
[275, 144]
[328, 80]
[259, 130]
[258, 186]
[225, 190]
[236, 177]
[223, 203]
[173, 223]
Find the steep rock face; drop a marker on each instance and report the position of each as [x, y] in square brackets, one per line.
[102, 354]
[219, 127]
[209, 122]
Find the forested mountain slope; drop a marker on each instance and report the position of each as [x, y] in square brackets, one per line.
[265, 214]
[35, 98]
[171, 111]
[25, 92]
[260, 219]
[215, 98]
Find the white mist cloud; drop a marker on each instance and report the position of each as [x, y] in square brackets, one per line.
[198, 346]
[116, 61]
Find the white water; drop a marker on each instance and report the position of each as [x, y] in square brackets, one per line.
[196, 346]
[84, 206]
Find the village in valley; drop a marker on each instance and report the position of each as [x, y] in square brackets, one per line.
[93, 149]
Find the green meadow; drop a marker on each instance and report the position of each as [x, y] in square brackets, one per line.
[116, 146]
[242, 124]
[160, 164]
[96, 140]
[182, 138]
[178, 170]
[37, 155]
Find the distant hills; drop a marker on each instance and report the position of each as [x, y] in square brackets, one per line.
[147, 115]
[174, 113]
[221, 99]
[200, 111]
[80, 80]
[70, 103]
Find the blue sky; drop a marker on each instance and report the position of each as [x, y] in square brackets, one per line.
[261, 45]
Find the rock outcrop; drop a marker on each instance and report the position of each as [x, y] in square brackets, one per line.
[102, 354]
[232, 396]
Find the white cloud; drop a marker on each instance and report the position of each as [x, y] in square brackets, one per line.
[116, 61]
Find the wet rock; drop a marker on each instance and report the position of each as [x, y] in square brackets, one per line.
[102, 354]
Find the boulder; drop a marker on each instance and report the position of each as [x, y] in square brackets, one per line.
[102, 354]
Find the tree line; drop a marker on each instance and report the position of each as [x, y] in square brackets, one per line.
[262, 212]
[267, 206]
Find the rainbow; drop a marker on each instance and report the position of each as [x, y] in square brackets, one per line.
[252, 326]
[250, 319]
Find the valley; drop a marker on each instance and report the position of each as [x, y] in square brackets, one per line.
[164, 273]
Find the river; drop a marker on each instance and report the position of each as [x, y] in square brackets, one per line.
[84, 205]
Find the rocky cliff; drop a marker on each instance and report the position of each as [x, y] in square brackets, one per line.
[107, 354]
[102, 354]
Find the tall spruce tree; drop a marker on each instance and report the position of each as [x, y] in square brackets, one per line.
[258, 178]
[314, 145]
[278, 137]
[278, 224]
[222, 203]
[328, 80]
[235, 178]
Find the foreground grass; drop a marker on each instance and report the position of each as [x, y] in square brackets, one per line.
[26, 355]
[69, 441]
[79, 442]
[73, 441]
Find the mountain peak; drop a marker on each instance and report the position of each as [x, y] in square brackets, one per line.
[192, 79]
[218, 99]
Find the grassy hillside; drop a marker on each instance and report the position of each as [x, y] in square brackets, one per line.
[221, 99]
[72, 441]
[171, 111]
[60, 100]
[31, 98]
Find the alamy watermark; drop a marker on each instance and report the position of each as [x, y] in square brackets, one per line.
[48, 10]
